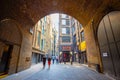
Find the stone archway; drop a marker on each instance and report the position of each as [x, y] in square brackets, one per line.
[10, 37]
[28, 12]
[10, 32]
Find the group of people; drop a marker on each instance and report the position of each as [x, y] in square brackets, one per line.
[44, 61]
[63, 59]
[49, 60]
[54, 58]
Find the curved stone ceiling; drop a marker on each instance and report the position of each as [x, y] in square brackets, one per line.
[28, 12]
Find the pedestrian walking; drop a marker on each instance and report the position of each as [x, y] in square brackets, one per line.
[60, 59]
[53, 59]
[56, 59]
[49, 62]
[44, 61]
[64, 60]
[71, 60]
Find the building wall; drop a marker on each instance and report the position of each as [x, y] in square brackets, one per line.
[77, 40]
[47, 34]
[44, 27]
[64, 26]
[60, 30]
[65, 48]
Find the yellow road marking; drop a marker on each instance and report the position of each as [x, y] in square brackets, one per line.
[3, 76]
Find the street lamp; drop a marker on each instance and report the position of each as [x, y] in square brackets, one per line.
[71, 52]
[60, 53]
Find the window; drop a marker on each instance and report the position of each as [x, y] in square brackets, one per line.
[73, 28]
[66, 30]
[42, 44]
[63, 30]
[63, 22]
[43, 29]
[68, 22]
[67, 16]
[64, 16]
[73, 21]
[39, 38]
[74, 39]
[82, 36]
[66, 39]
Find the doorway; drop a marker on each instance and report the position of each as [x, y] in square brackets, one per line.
[109, 42]
[66, 56]
[5, 59]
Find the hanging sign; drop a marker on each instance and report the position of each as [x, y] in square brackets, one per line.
[66, 48]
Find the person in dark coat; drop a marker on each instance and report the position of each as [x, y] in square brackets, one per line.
[44, 61]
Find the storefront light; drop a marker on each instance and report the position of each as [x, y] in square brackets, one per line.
[60, 53]
[71, 53]
[75, 52]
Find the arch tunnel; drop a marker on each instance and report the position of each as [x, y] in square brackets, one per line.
[21, 15]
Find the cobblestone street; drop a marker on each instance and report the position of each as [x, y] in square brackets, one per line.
[58, 72]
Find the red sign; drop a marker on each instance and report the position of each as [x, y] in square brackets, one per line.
[66, 48]
[64, 55]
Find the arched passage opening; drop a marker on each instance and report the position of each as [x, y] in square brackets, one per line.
[69, 35]
[108, 37]
[10, 43]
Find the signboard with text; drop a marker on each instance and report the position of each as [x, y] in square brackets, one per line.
[66, 48]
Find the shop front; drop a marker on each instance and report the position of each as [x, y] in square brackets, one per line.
[82, 54]
[37, 56]
[65, 53]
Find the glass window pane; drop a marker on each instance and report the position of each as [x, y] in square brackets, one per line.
[82, 36]
[68, 22]
[66, 39]
[63, 30]
[39, 38]
[64, 15]
[63, 22]
[66, 30]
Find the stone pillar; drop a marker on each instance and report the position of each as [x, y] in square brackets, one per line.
[14, 59]
[93, 54]
[25, 52]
